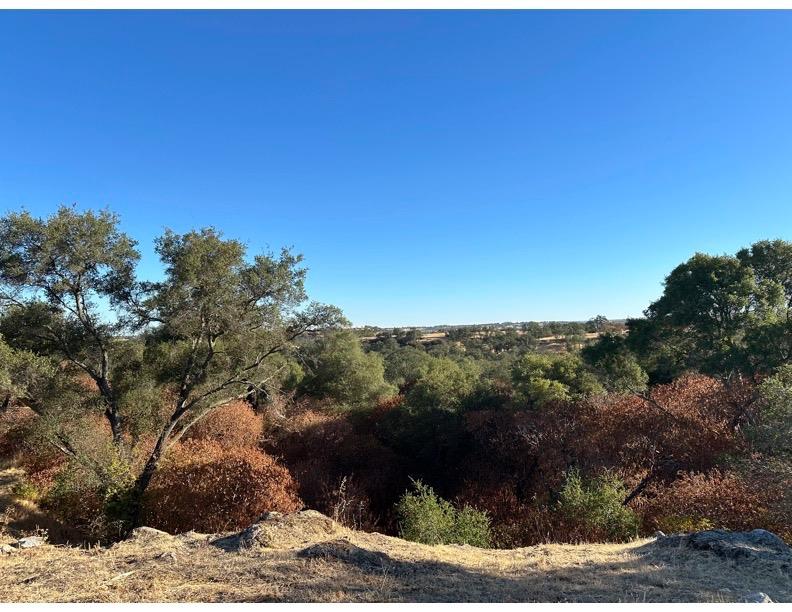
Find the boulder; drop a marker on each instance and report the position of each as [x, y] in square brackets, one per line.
[275, 530]
[148, 533]
[344, 550]
[756, 544]
[30, 542]
[757, 597]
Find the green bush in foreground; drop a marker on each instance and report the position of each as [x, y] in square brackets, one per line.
[429, 519]
[596, 506]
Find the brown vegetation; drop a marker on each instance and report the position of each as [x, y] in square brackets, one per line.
[206, 486]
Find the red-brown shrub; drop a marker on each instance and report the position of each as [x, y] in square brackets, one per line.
[205, 487]
[234, 425]
[683, 426]
[15, 422]
[321, 450]
[714, 500]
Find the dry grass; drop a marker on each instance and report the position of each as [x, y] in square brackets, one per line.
[189, 568]
[374, 567]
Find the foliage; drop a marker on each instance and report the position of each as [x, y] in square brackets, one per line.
[597, 506]
[90, 491]
[719, 499]
[444, 384]
[424, 517]
[203, 486]
[683, 524]
[24, 489]
[614, 365]
[771, 432]
[543, 379]
[235, 425]
[405, 365]
[722, 314]
[339, 369]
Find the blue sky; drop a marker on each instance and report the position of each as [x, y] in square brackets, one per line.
[433, 167]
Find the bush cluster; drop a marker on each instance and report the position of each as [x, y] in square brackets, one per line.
[204, 486]
[426, 518]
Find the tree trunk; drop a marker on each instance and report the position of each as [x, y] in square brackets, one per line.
[144, 479]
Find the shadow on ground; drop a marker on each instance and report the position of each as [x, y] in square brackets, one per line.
[649, 575]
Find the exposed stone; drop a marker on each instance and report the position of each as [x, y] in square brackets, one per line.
[758, 597]
[148, 533]
[277, 530]
[30, 542]
[5, 549]
[344, 550]
[756, 544]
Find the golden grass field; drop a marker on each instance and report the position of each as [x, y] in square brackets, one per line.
[287, 565]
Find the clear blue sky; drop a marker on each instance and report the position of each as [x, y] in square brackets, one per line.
[433, 167]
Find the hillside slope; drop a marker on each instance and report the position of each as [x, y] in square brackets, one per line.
[307, 557]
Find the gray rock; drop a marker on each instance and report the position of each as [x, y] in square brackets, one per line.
[30, 542]
[758, 597]
[756, 544]
[766, 538]
[276, 530]
[5, 549]
[344, 550]
[147, 533]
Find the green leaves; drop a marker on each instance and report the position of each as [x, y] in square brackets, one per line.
[725, 313]
[597, 504]
[429, 519]
[67, 255]
[542, 379]
[445, 383]
[614, 365]
[771, 431]
[338, 368]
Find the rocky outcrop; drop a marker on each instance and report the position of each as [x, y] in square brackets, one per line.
[30, 542]
[276, 530]
[346, 551]
[757, 597]
[751, 545]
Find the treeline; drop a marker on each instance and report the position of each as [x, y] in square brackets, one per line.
[203, 400]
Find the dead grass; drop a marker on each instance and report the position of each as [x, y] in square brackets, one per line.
[189, 568]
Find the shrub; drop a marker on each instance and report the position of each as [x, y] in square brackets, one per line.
[472, 527]
[543, 379]
[232, 426]
[429, 519]
[772, 431]
[203, 486]
[596, 506]
[721, 499]
[90, 495]
[445, 383]
[321, 450]
[684, 524]
[24, 489]
[15, 423]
